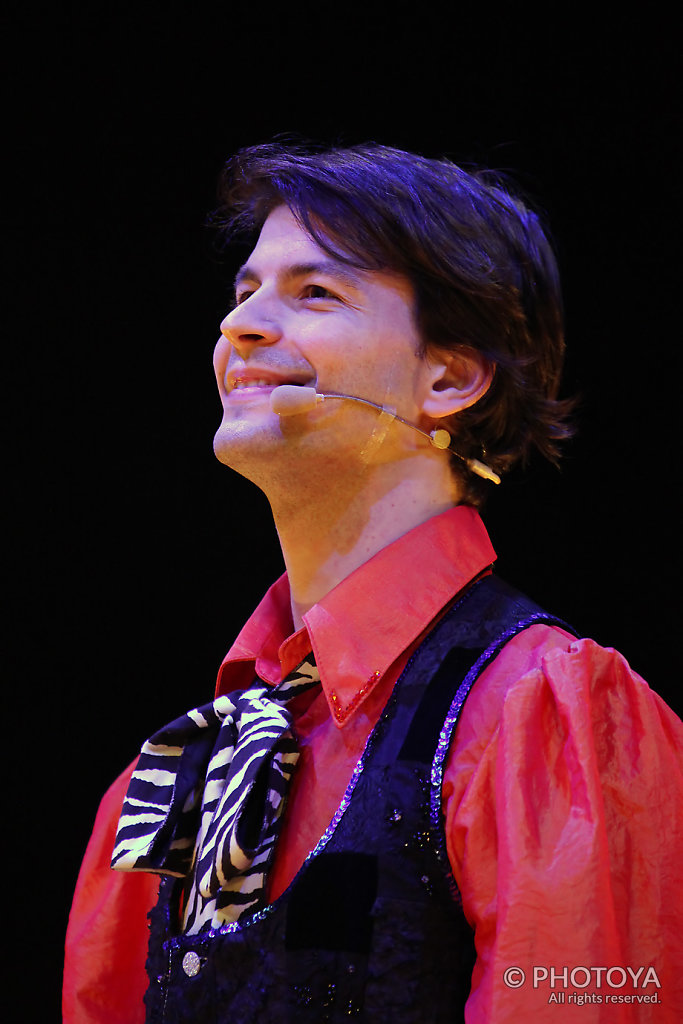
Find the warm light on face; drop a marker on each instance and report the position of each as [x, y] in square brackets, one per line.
[302, 318]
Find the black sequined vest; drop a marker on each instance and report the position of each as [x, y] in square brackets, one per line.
[371, 929]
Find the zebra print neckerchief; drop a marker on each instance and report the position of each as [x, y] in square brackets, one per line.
[209, 790]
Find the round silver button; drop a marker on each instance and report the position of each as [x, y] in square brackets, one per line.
[191, 964]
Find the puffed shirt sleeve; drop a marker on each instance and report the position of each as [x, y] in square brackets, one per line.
[107, 935]
[563, 804]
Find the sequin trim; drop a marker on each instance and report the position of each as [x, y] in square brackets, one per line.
[446, 734]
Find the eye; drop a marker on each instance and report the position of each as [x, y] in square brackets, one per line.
[317, 291]
[242, 296]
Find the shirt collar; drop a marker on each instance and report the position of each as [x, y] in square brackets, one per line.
[369, 619]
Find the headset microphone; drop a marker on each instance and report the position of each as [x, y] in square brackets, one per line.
[293, 399]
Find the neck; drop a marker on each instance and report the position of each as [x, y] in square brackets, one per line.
[332, 527]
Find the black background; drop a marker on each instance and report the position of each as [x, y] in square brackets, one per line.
[139, 556]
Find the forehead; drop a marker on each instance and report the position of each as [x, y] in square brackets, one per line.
[282, 233]
[284, 244]
[282, 229]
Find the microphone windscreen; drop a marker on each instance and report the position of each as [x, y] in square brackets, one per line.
[290, 399]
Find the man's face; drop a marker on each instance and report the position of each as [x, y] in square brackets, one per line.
[303, 318]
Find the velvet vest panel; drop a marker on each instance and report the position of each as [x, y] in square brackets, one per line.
[371, 929]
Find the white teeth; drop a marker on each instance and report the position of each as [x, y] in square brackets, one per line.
[253, 383]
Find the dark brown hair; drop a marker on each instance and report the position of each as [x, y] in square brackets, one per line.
[479, 260]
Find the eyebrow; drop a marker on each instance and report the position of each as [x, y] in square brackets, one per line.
[329, 268]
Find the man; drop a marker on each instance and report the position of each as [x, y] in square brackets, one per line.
[417, 796]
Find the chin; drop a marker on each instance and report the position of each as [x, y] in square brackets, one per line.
[230, 444]
[240, 445]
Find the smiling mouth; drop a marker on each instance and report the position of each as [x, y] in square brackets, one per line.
[246, 385]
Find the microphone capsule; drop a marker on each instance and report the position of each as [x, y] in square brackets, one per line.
[292, 399]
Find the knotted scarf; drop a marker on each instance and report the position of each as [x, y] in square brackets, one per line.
[208, 792]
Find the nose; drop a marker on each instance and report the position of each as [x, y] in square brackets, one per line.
[249, 324]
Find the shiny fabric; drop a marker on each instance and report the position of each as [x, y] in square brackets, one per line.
[562, 793]
[376, 895]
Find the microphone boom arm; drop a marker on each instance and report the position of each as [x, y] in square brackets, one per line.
[291, 399]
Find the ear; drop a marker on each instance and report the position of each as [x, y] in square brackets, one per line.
[454, 381]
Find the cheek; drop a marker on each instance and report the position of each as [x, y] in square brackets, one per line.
[330, 349]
